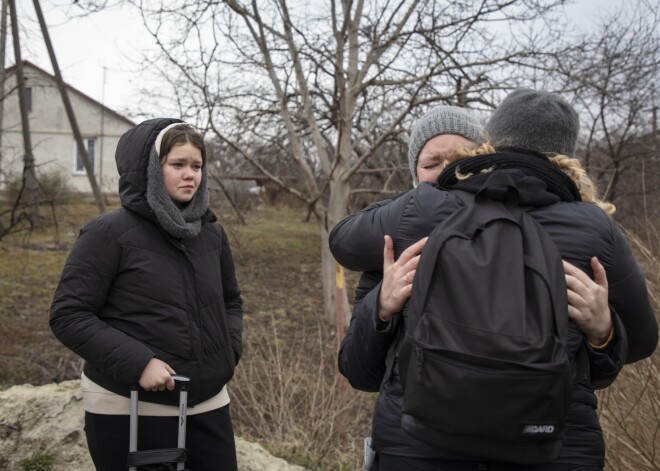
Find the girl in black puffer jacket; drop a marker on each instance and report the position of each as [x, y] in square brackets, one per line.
[147, 291]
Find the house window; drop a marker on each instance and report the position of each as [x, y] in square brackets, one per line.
[90, 143]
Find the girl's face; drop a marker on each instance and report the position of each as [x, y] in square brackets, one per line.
[182, 172]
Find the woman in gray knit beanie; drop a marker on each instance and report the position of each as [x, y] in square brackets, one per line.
[436, 134]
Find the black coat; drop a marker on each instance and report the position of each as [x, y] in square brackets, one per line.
[130, 292]
[580, 230]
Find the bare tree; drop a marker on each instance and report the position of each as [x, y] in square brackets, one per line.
[325, 85]
[613, 75]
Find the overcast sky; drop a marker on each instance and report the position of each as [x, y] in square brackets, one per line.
[97, 53]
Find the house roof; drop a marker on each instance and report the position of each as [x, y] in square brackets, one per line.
[29, 64]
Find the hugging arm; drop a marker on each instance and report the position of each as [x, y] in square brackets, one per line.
[356, 242]
[364, 348]
[629, 299]
[588, 301]
[588, 308]
[374, 322]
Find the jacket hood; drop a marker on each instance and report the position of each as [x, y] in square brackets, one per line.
[132, 157]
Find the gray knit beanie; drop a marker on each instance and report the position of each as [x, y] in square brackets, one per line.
[441, 120]
[535, 120]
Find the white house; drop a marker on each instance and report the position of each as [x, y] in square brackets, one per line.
[53, 145]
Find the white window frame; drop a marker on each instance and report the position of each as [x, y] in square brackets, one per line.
[81, 170]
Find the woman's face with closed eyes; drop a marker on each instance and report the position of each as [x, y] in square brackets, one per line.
[432, 158]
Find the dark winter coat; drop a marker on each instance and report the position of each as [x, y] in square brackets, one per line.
[130, 292]
[580, 230]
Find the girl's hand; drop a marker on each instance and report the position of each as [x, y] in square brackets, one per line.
[157, 376]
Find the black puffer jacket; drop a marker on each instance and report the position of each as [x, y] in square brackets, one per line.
[580, 230]
[130, 292]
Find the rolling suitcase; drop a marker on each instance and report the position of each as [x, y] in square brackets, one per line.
[167, 457]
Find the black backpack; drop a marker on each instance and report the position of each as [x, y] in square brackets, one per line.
[483, 361]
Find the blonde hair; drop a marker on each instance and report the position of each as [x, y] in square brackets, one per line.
[569, 165]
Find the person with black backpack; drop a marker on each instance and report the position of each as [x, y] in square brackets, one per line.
[364, 349]
[532, 121]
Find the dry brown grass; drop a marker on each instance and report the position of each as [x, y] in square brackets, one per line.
[288, 395]
[630, 408]
[630, 417]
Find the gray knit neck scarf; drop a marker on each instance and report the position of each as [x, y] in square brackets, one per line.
[181, 223]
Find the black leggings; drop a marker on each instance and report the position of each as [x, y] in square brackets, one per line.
[399, 463]
[209, 439]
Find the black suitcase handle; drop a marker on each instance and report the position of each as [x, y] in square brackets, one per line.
[181, 383]
[166, 455]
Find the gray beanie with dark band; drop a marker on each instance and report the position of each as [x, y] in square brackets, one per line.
[535, 120]
[441, 120]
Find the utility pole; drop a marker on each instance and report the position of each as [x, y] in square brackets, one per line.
[69, 110]
[3, 47]
[30, 184]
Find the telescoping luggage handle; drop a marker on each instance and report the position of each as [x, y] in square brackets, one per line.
[137, 458]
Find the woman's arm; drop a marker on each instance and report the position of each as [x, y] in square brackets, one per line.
[364, 348]
[588, 308]
[588, 301]
[374, 322]
[628, 296]
[356, 242]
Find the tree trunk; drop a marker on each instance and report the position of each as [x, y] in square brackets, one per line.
[30, 185]
[337, 204]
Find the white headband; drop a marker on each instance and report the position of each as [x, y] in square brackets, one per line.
[159, 138]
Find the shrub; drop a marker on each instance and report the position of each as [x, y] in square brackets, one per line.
[53, 186]
[289, 396]
[38, 462]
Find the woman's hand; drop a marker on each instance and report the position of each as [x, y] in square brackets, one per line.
[157, 376]
[588, 304]
[397, 277]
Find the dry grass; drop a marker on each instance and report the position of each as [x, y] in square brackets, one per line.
[630, 416]
[288, 395]
[630, 408]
